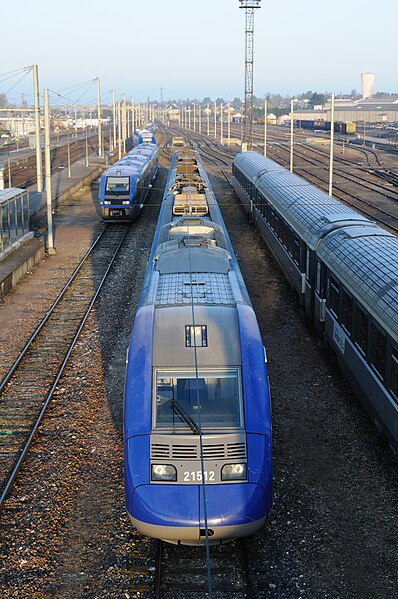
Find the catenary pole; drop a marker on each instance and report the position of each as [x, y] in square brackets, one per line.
[114, 116]
[39, 169]
[99, 117]
[331, 148]
[265, 127]
[47, 162]
[291, 136]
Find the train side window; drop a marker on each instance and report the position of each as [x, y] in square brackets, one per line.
[378, 357]
[361, 329]
[307, 263]
[394, 372]
[296, 250]
[346, 311]
[334, 296]
[318, 276]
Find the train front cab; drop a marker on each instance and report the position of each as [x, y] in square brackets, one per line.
[173, 508]
[117, 197]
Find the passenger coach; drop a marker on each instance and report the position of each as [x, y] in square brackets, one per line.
[344, 269]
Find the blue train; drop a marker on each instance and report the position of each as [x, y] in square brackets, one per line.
[146, 137]
[197, 422]
[126, 184]
[344, 269]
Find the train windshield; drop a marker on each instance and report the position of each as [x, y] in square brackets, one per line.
[117, 184]
[212, 400]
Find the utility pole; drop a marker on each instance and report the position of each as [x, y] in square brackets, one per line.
[249, 6]
[331, 148]
[23, 115]
[99, 117]
[221, 126]
[39, 170]
[229, 125]
[291, 135]
[114, 116]
[47, 162]
[119, 138]
[194, 117]
[85, 129]
[124, 123]
[200, 117]
[265, 127]
[208, 121]
[215, 120]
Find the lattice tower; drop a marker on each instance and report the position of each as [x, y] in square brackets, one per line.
[249, 6]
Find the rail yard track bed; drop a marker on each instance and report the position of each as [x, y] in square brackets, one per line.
[64, 532]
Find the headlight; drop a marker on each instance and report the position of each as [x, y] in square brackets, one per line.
[234, 472]
[126, 202]
[163, 472]
[107, 202]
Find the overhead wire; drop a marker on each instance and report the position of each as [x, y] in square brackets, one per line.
[202, 464]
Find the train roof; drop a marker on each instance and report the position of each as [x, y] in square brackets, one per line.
[143, 149]
[123, 170]
[365, 260]
[310, 212]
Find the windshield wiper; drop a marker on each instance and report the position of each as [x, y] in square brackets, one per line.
[179, 410]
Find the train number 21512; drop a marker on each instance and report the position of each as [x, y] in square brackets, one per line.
[196, 476]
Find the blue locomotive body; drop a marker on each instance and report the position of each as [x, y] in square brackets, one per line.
[126, 184]
[197, 425]
[344, 269]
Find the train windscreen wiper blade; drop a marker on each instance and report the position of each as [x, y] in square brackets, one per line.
[179, 410]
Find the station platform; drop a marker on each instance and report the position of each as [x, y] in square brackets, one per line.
[29, 250]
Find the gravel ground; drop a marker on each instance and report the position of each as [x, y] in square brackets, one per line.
[334, 527]
[64, 532]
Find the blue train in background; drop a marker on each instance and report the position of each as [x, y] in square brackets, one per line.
[126, 184]
[146, 137]
[197, 421]
[344, 269]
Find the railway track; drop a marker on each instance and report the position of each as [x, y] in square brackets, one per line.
[26, 390]
[183, 572]
[23, 173]
[366, 207]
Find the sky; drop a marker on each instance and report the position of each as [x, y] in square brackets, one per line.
[196, 49]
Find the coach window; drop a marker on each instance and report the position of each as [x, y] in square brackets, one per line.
[346, 311]
[307, 263]
[320, 279]
[296, 250]
[261, 203]
[378, 358]
[361, 329]
[394, 372]
[334, 296]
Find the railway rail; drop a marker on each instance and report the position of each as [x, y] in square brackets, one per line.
[222, 157]
[23, 172]
[26, 390]
[180, 574]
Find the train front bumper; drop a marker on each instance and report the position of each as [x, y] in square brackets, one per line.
[175, 513]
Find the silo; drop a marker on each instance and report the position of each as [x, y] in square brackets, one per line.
[368, 81]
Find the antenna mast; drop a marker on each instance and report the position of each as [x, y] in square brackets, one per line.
[249, 6]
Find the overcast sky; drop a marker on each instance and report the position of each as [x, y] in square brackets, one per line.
[196, 49]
